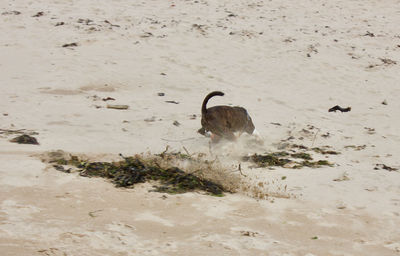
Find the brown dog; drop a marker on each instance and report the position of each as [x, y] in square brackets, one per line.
[223, 121]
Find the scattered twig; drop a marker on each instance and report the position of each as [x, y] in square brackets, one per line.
[369, 34]
[357, 148]
[385, 167]
[315, 136]
[249, 233]
[240, 170]
[85, 21]
[92, 214]
[38, 14]
[120, 107]
[11, 131]
[112, 25]
[187, 152]
[277, 124]
[146, 34]
[108, 98]
[172, 101]
[370, 130]
[165, 151]
[152, 119]
[388, 61]
[11, 13]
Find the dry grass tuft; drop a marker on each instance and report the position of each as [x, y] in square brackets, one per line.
[266, 190]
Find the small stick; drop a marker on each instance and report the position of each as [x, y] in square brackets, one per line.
[315, 136]
[240, 170]
[187, 152]
[112, 25]
[121, 107]
[165, 151]
[11, 131]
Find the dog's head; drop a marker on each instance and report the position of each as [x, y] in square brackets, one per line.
[249, 127]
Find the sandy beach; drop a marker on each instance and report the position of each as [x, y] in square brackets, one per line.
[63, 62]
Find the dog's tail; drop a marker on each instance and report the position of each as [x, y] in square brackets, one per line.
[207, 98]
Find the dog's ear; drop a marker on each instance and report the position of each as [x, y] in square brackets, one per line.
[202, 131]
[250, 128]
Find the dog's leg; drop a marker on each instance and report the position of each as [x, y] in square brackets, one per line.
[210, 147]
[256, 133]
[215, 138]
[230, 136]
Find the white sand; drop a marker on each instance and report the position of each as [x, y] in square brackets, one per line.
[254, 51]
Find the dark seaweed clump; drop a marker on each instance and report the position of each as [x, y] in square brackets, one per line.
[266, 160]
[283, 159]
[25, 139]
[315, 164]
[325, 152]
[136, 169]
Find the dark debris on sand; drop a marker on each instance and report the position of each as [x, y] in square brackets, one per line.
[11, 13]
[285, 160]
[138, 169]
[70, 45]
[25, 139]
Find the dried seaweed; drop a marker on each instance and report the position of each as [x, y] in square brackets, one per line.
[277, 159]
[25, 139]
[138, 169]
[302, 155]
[315, 164]
[385, 167]
[266, 160]
[325, 152]
[357, 148]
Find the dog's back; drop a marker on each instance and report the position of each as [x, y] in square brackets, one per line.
[224, 120]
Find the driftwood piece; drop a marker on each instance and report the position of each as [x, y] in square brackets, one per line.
[172, 101]
[337, 107]
[121, 107]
